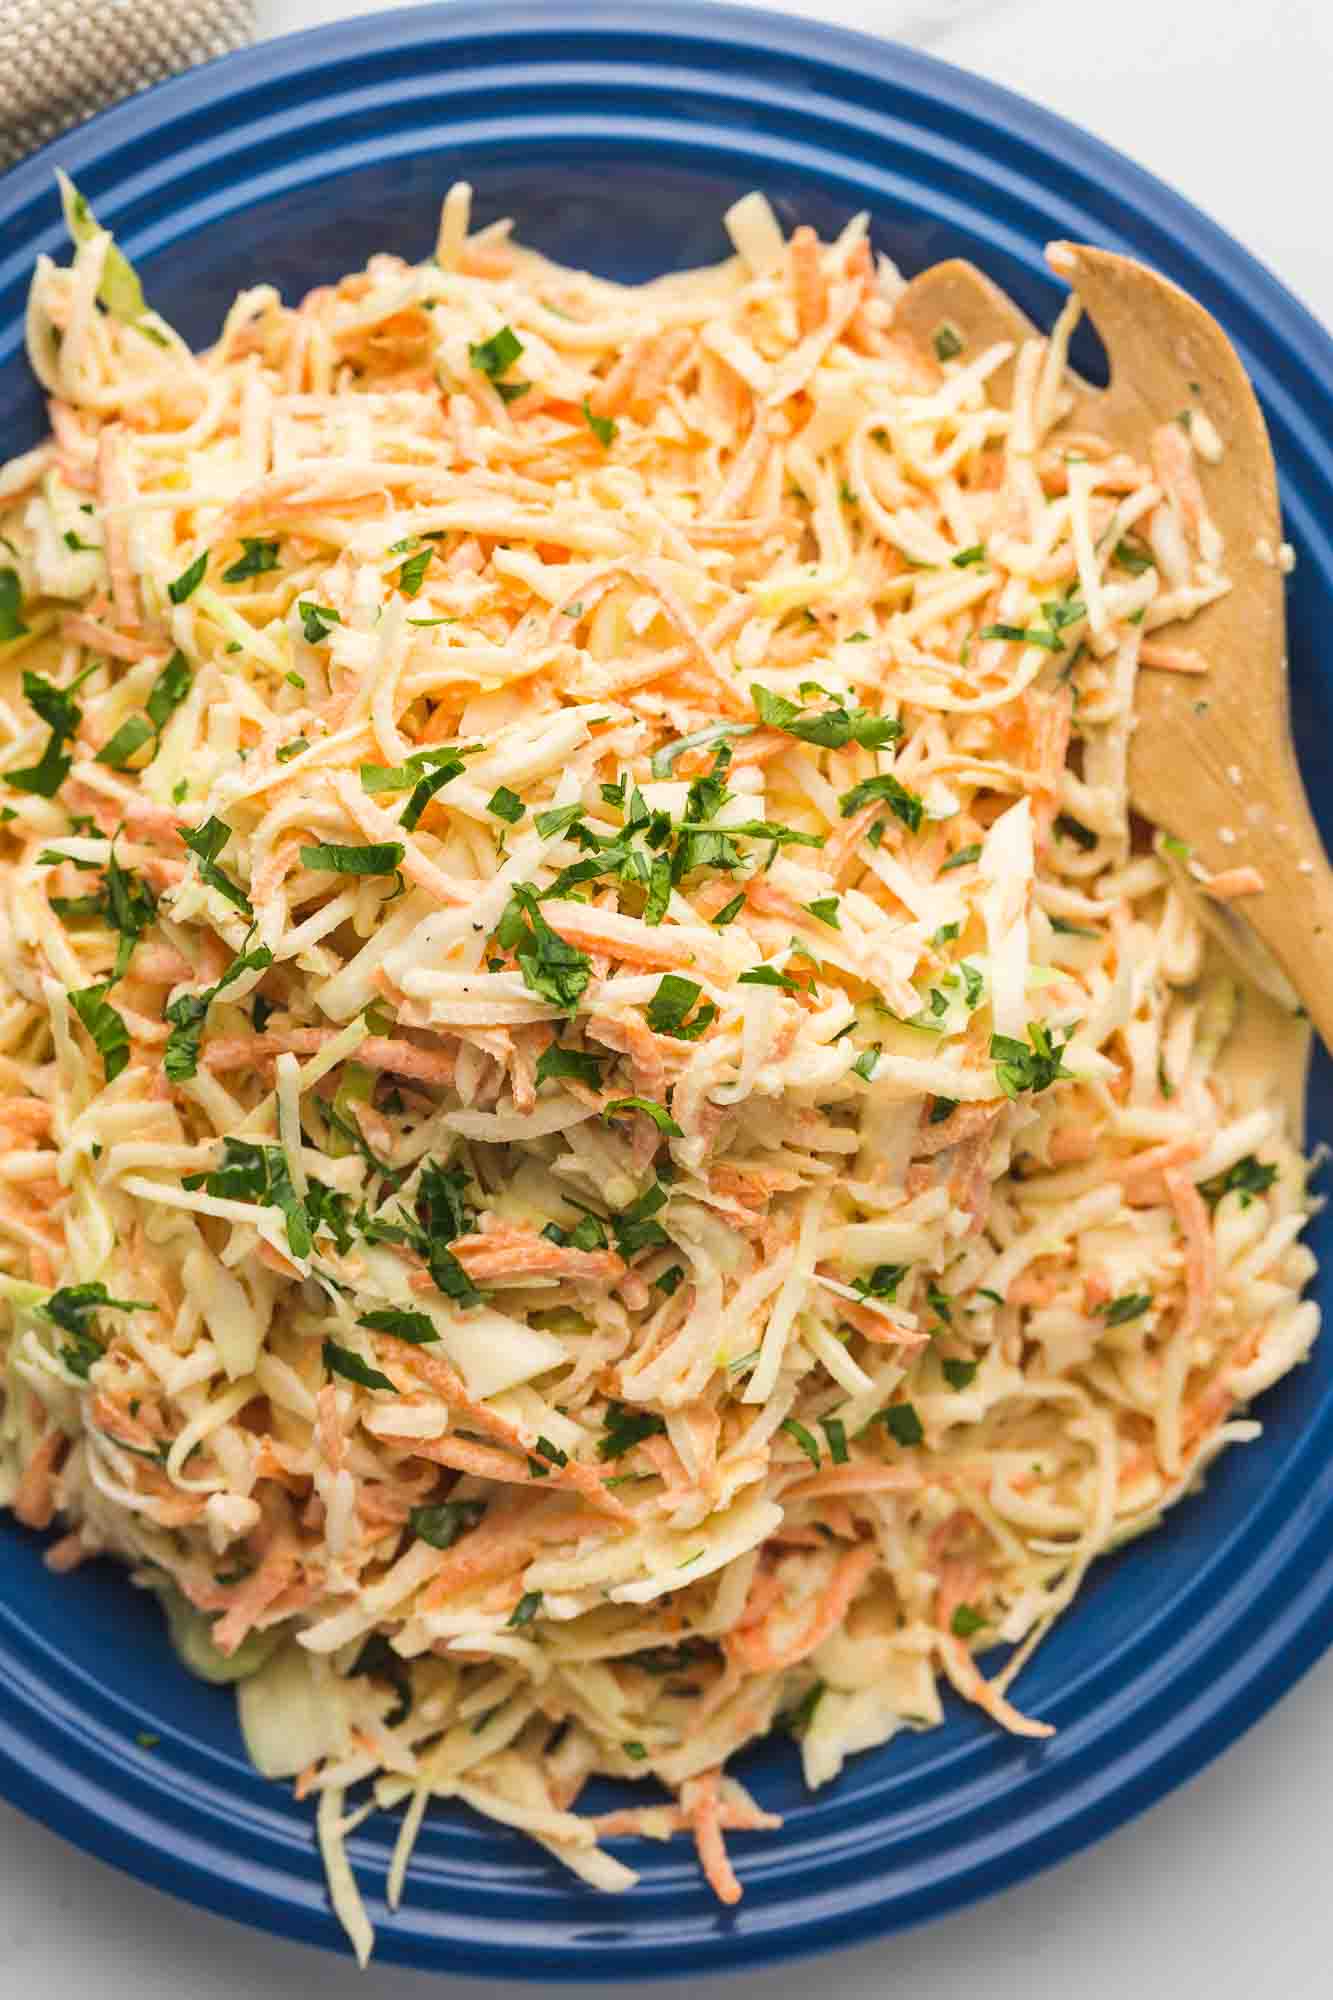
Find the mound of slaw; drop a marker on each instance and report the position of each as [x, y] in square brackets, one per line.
[615, 1137]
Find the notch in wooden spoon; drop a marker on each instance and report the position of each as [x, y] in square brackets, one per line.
[1211, 758]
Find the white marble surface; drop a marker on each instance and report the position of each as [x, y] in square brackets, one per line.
[1224, 1885]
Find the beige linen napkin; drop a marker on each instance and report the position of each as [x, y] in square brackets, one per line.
[61, 60]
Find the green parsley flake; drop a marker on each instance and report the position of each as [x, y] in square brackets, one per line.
[346, 1362]
[959, 1374]
[903, 1424]
[381, 857]
[602, 428]
[413, 571]
[106, 1027]
[257, 559]
[418, 1328]
[1130, 1305]
[905, 805]
[1019, 1068]
[836, 1432]
[829, 729]
[506, 805]
[206, 842]
[11, 602]
[131, 736]
[1247, 1178]
[670, 1005]
[189, 579]
[445, 1522]
[581, 1064]
[803, 1438]
[660, 1116]
[496, 356]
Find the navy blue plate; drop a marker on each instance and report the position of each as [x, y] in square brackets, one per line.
[616, 135]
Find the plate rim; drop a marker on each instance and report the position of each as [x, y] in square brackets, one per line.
[1300, 1594]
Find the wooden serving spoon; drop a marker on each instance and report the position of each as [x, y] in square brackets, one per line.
[1211, 758]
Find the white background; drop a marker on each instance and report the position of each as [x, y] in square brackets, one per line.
[1225, 1886]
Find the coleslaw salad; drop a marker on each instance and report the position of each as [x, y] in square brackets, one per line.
[616, 1139]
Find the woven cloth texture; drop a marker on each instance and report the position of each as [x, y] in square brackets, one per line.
[61, 60]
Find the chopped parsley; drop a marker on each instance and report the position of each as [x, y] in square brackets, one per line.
[72, 1308]
[660, 1116]
[552, 969]
[966, 557]
[106, 1027]
[669, 1007]
[412, 573]
[346, 1362]
[625, 1428]
[1130, 1305]
[506, 805]
[769, 975]
[415, 1327]
[169, 691]
[902, 1423]
[526, 1609]
[1019, 1067]
[830, 729]
[189, 579]
[882, 1283]
[11, 603]
[966, 1622]
[1133, 556]
[496, 356]
[1247, 1178]
[602, 428]
[317, 620]
[258, 557]
[446, 1521]
[250, 1172]
[134, 732]
[559, 819]
[801, 1436]
[905, 805]
[836, 1432]
[62, 716]
[580, 1064]
[1023, 635]
[959, 1374]
[963, 857]
[188, 1011]
[948, 342]
[381, 857]
[207, 842]
[824, 910]
[165, 697]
